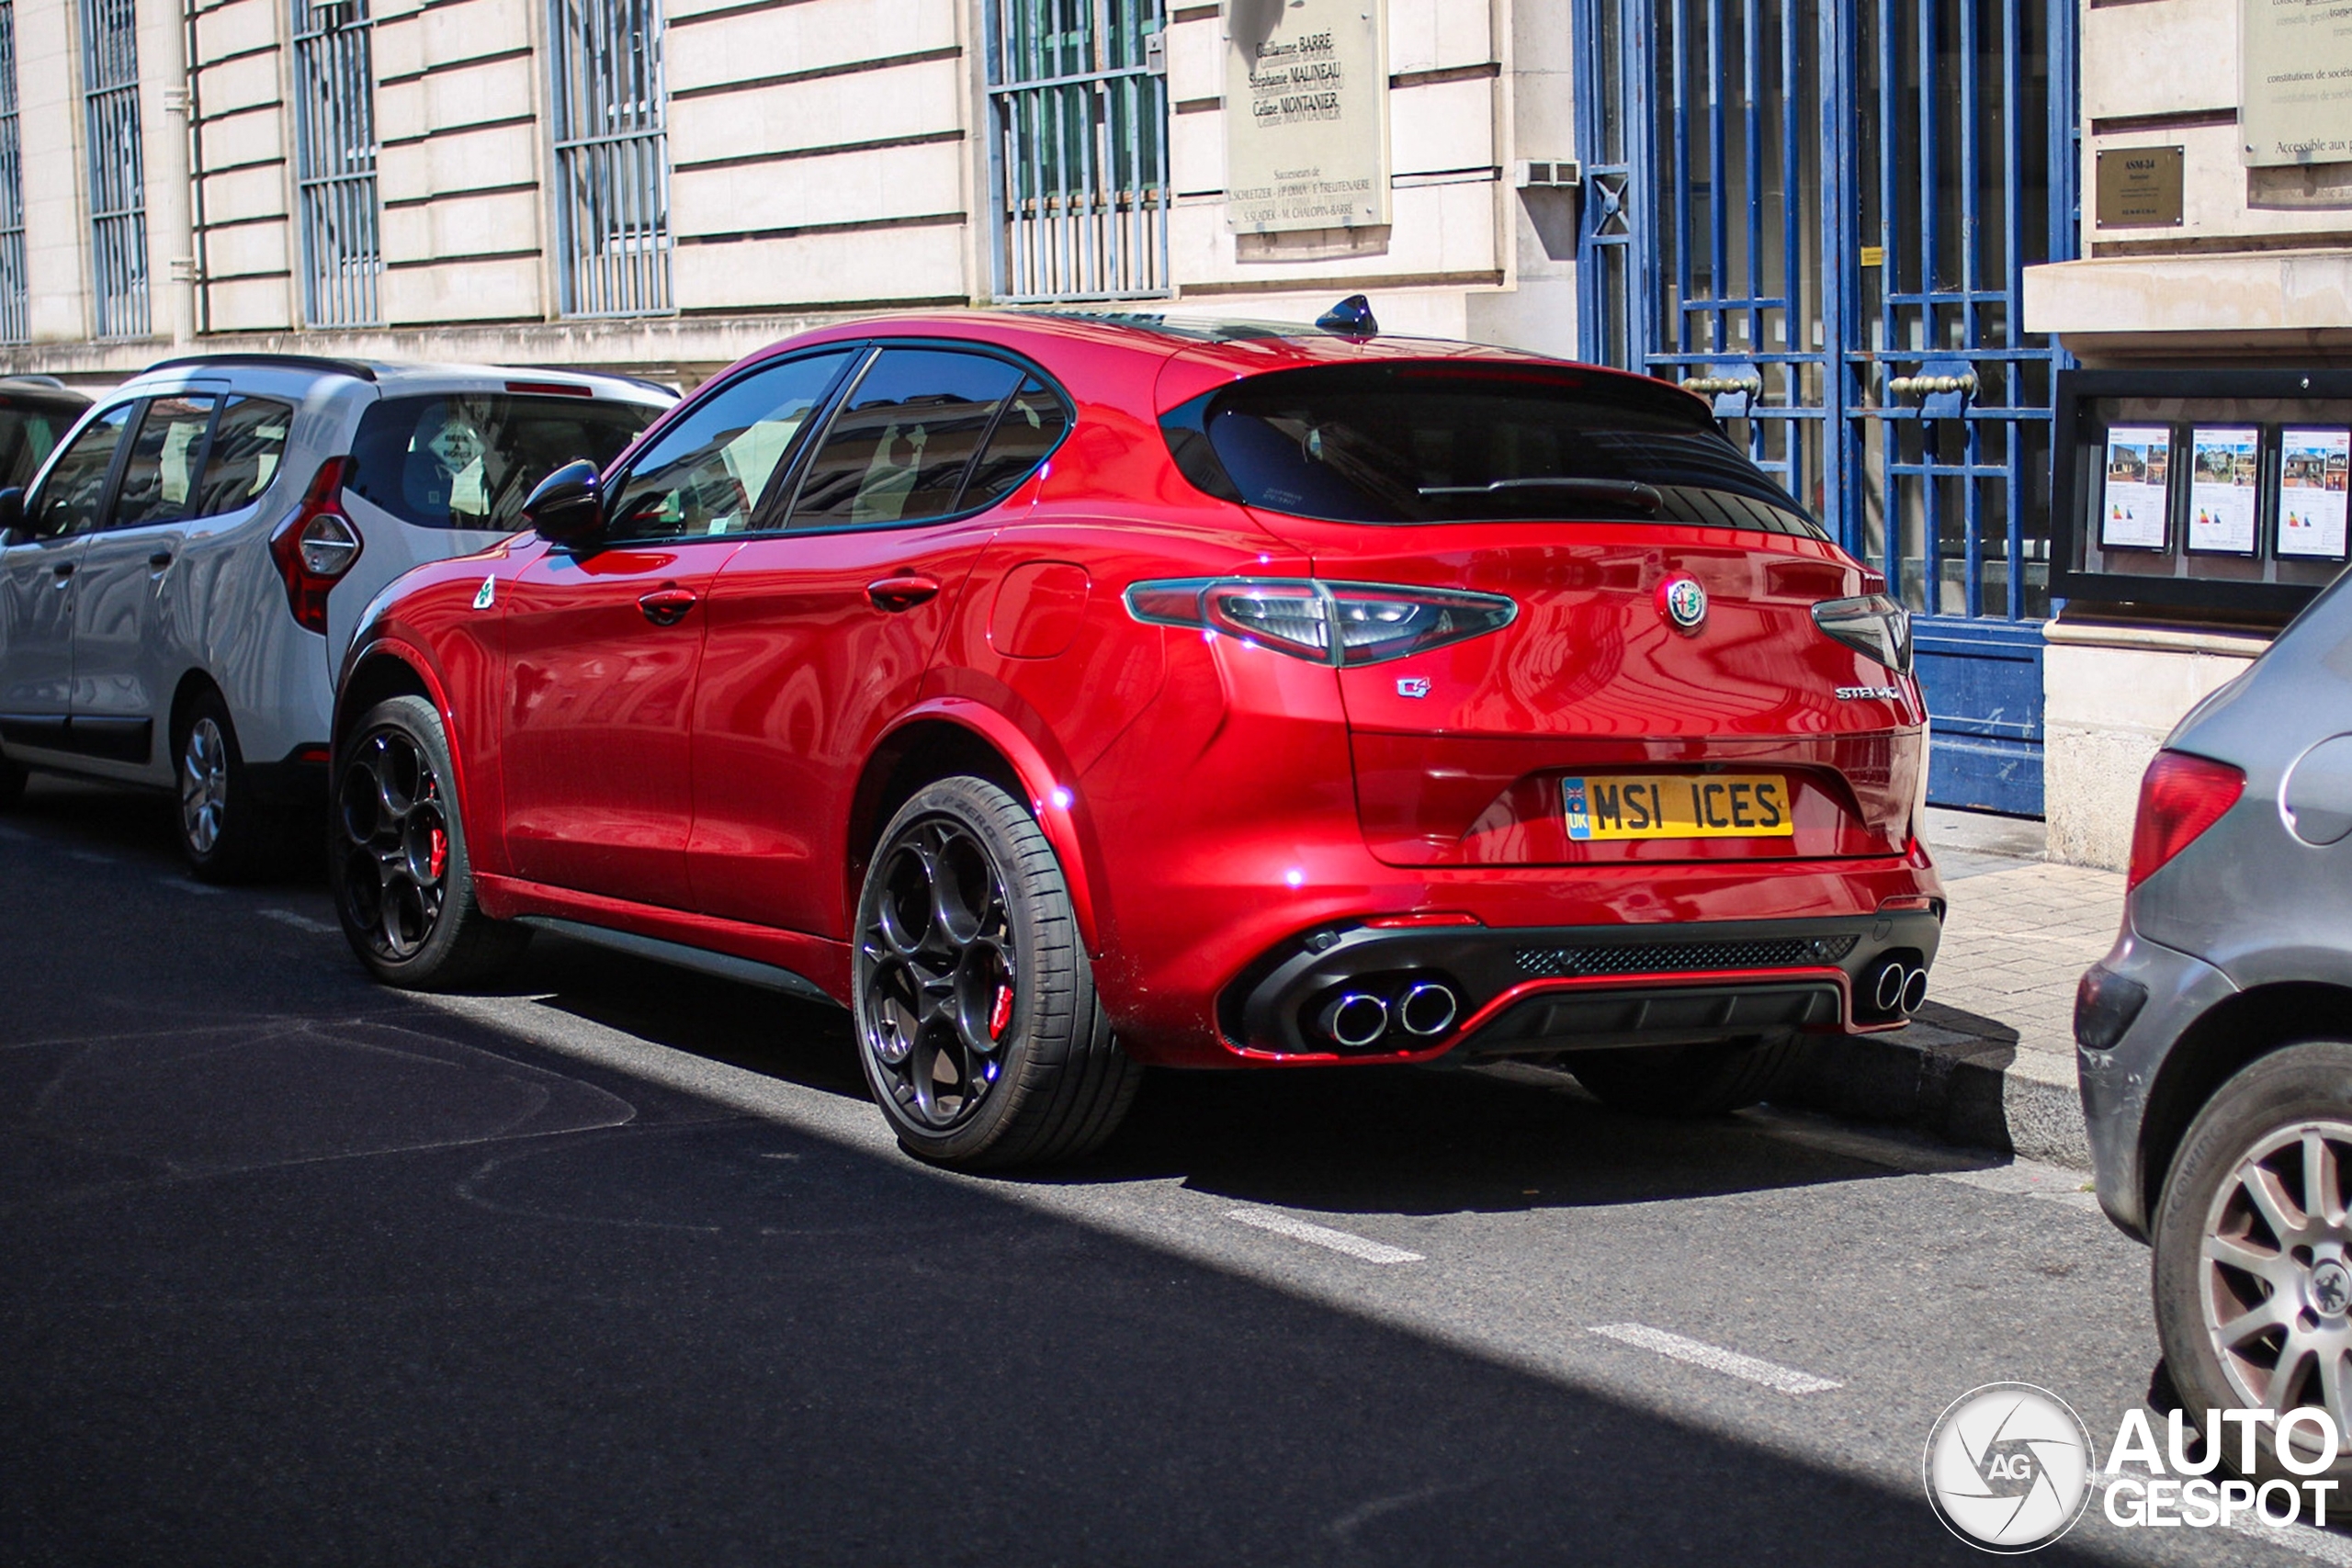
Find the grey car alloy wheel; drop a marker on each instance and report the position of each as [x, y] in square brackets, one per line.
[204, 784]
[2276, 1271]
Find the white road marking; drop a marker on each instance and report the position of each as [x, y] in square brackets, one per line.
[299, 922]
[16, 834]
[90, 857]
[1323, 1236]
[1714, 1358]
[197, 888]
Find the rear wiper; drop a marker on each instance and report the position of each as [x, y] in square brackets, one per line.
[1627, 492]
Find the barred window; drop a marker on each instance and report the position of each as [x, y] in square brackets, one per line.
[335, 162]
[612, 157]
[1079, 154]
[118, 182]
[14, 324]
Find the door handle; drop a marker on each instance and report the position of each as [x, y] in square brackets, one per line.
[667, 606]
[160, 559]
[61, 570]
[901, 592]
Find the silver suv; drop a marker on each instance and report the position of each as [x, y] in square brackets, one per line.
[2215, 1040]
[179, 580]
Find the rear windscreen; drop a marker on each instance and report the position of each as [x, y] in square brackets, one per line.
[1457, 444]
[468, 460]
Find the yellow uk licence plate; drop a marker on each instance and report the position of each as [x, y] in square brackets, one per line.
[1677, 806]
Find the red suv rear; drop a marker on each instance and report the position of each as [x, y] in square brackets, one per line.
[1068, 694]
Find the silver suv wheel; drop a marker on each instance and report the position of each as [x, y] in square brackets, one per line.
[204, 784]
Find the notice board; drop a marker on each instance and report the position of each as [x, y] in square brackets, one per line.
[1305, 115]
[2295, 81]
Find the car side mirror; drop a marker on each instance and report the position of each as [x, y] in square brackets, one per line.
[12, 512]
[568, 507]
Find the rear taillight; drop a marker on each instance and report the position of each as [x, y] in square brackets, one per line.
[1873, 624]
[1330, 623]
[2180, 796]
[315, 547]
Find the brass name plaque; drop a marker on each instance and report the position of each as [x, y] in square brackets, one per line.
[2139, 188]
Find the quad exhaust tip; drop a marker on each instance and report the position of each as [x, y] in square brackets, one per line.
[1355, 1018]
[1900, 988]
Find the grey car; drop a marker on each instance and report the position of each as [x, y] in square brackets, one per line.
[2215, 1041]
[178, 580]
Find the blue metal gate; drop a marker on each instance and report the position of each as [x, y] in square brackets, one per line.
[1817, 212]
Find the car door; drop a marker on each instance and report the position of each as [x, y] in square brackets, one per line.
[117, 667]
[36, 571]
[821, 634]
[604, 644]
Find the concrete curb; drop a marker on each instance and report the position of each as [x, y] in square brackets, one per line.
[1953, 1076]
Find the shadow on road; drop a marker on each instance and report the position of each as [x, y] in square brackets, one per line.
[296, 1271]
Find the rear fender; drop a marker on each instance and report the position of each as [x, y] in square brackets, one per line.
[1051, 798]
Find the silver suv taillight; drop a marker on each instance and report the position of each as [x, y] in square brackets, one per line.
[1873, 624]
[1330, 623]
[316, 546]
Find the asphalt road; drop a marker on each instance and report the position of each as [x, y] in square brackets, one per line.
[617, 1266]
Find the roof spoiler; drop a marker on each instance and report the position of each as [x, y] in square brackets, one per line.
[357, 369]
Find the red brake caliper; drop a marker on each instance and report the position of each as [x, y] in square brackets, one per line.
[999, 1010]
[440, 855]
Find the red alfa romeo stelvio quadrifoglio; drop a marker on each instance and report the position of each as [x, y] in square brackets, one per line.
[1067, 694]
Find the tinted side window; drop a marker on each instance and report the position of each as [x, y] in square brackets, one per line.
[72, 497]
[470, 459]
[897, 450]
[709, 473]
[248, 440]
[159, 477]
[28, 435]
[1024, 433]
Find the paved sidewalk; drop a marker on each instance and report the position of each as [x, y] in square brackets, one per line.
[1990, 1060]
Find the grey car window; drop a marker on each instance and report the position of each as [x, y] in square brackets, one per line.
[469, 459]
[72, 498]
[248, 443]
[159, 478]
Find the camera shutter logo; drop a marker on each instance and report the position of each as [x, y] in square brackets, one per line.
[2009, 1467]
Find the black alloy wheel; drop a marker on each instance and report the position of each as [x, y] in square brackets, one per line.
[978, 1024]
[941, 992]
[403, 883]
[395, 843]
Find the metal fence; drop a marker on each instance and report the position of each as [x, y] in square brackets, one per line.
[1079, 153]
[612, 157]
[118, 185]
[16, 325]
[334, 162]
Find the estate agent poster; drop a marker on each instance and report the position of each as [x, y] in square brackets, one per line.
[1305, 115]
[2222, 486]
[2139, 473]
[2295, 81]
[2311, 465]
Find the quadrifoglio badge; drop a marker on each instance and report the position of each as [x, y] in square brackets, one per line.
[2009, 1467]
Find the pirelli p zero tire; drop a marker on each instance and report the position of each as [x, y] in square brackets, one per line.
[2253, 1274]
[978, 1024]
[1686, 1080]
[396, 856]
